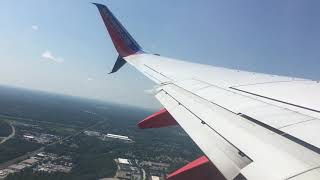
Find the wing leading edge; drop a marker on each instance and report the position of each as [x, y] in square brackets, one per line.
[239, 119]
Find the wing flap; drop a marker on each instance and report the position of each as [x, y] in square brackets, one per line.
[225, 156]
[208, 123]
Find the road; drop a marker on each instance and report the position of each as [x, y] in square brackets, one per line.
[13, 132]
[144, 177]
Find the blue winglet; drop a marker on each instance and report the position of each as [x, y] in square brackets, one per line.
[119, 63]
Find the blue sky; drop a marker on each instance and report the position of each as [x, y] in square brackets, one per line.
[62, 46]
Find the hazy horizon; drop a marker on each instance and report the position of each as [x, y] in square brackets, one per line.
[63, 47]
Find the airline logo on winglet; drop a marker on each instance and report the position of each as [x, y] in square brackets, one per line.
[122, 40]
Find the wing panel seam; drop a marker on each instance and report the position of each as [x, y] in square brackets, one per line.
[269, 98]
[156, 71]
[269, 82]
[281, 133]
[303, 172]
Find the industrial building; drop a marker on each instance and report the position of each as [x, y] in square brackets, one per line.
[115, 136]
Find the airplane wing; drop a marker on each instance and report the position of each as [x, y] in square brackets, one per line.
[249, 125]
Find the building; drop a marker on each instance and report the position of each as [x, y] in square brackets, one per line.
[17, 167]
[41, 155]
[123, 164]
[125, 175]
[5, 172]
[155, 178]
[126, 170]
[30, 161]
[28, 137]
[115, 136]
[92, 133]
[156, 165]
[107, 136]
[123, 161]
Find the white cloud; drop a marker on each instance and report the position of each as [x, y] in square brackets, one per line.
[90, 79]
[47, 55]
[35, 27]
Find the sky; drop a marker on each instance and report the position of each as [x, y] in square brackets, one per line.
[62, 46]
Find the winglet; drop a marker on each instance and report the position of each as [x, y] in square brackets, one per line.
[122, 40]
[119, 63]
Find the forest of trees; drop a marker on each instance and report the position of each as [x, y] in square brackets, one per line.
[5, 129]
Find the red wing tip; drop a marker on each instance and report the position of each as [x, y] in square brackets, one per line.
[200, 168]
